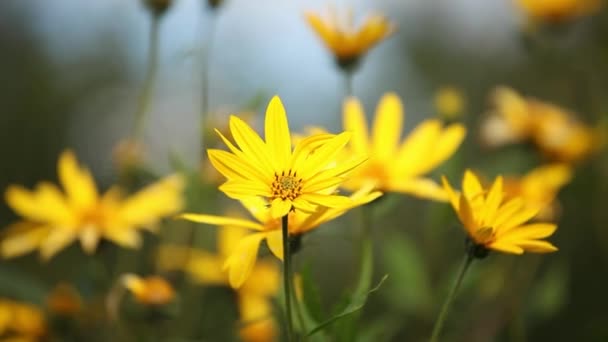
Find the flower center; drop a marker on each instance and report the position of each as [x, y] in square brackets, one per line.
[286, 186]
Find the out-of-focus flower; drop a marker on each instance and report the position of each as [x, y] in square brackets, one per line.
[395, 166]
[539, 188]
[494, 222]
[53, 219]
[242, 259]
[449, 102]
[254, 296]
[127, 155]
[157, 7]
[347, 42]
[553, 130]
[152, 290]
[64, 300]
[21, 322]
[288, 180]
[555, 11]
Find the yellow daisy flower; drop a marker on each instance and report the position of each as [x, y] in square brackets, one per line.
[556, 132]
[152, 290]
[300, 179]
[449, 102]
[256, 294]
[242, 258]
[494, 223]
[539, 188]
[347, 42]
[558, 10]
[21, 322]
[53, 219]
[394, 166]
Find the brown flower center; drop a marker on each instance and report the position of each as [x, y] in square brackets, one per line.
[286, 186]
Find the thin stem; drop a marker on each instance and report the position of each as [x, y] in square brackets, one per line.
[348, 83]
[287, 276]
[151, 71]
[446, 305]
[205, 80]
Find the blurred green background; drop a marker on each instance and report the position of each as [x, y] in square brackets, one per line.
[72, 71]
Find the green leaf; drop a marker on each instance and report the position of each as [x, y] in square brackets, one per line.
[362, 290]
[312, 298]
[410, 289]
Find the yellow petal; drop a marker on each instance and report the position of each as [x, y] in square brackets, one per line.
[233, 167]
[416, 148]
[339, 170]
[356, 123]
[124, 237]
[280, 207]
[507, 210]
[238, 189]
[306, 147]
[506, 248]
[331, 201]
[257, 207]
[387, 126]
[56, 240]
[323, 156]
[89, 237]
[303, 205]
[535, 246]
[322, 183]
[228, 237]
[221, 221]
[517, 219]
[471, 187]
[278, 139]
[529, 232]
[22, 238]
[251, 144]
[77, 182]
[445, 146]
[492, 203]
[241, 262]
[274, 239]
[466, 217]
[452, 195]
[420, 187]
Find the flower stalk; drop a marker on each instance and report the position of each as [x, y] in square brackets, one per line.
[468, 259]
[287, 276]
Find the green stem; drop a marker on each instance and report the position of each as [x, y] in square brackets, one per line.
[446, 305]
[287, 275]
[151, 71]
[348, 83]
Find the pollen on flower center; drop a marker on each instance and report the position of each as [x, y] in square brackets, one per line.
[286, 185]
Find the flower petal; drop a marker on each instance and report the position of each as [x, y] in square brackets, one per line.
[420, 187]
[238, 189]
[536, 246]
[22, 238]
[57, 239]
[506, 248]
[280, 207]
[330, 201]
[492, 203]
[241, 262]
[221, 221]
[77, 182]
[355, 122]
[251, 144]
[471, 187]
[233, 167]
[452, 195]
[274, 240]
[278, 139]
[387, 126]
[528, 232]
[324, 155]
[416, 148]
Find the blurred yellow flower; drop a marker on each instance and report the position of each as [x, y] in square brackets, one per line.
[558, 10]
[347, 42]
[64, 300]
[152, 290]
[243, 255]
[553, 130]
[449, 102]
[539, 188]
[21, 322]
[288, 180]
[53, 219]
[254, 296]
[494, 222]
[395, 166]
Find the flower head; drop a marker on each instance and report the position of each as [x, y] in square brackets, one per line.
[53, 219]
[242, 256]
[556, 132]
[449, 102]
[298, 179]
[496, 223]
[152, 290]
[395, 166]
[554, 11]
[21, 322]
[347, 42]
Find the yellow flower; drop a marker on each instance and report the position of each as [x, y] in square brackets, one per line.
[242, 258]
[53, 219]
[254, 296]
[288, 180]
[539, 188]
[347, 42]
[494, 222]
[152, 290]
[64, 300]
[394, 166]
[558, 10]
[449, 102]
[21, 322]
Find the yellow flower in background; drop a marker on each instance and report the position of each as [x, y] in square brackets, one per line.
[243, 256]
[21, 322]
[558, 10]
[301, 179]
[347, 42]
[449, 102]
[396, 166]
[495, 222]
[556, 132]
[539, 188]
[152, 290]
[54, 219]
[256, 294]
[64, 300]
